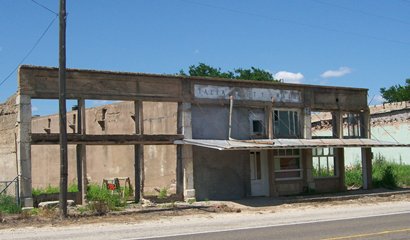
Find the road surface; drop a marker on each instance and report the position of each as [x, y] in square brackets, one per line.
[385, 220]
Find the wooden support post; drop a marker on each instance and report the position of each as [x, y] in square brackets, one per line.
[139, 152]
[179, 166]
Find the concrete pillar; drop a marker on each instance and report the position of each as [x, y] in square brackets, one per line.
[367, 168]
[340, 166]
[365, 124]
[307, 124]
[81, 151]
[307, 153]
[186, 157]
[337, 123]
[24, 149]
[269, 120]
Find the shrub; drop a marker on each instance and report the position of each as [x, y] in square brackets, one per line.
[103, 200]
[354, 176]
[8, 204]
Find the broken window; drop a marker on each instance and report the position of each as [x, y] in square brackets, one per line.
[257, 124]
[352, 125]
[286, 124]
[323, 162]
[287, 164]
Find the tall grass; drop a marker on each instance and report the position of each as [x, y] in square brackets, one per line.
[8, 204]
[385, 174]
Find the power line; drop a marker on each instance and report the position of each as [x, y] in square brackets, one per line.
[360, 11]
[292, 22]
[30, 51]
[46, 8]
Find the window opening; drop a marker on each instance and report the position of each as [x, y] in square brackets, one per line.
[286, 124]
[324, 162]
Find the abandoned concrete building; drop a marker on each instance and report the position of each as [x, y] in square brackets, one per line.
[204, 138]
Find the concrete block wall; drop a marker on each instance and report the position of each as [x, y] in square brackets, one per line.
[8, 118]
[111, 161]
[221, 175]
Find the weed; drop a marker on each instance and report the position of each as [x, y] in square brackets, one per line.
[102, 200]
[385, 174]
[163, 193]
[53, 189]
[191, 200]
[8, 205]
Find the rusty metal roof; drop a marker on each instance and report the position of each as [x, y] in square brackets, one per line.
[287, 143]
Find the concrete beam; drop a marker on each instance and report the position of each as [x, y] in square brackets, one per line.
[111, 139]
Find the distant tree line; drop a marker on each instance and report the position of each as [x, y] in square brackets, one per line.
[203, 70]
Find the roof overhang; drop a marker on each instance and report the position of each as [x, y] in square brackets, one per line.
[287, 143]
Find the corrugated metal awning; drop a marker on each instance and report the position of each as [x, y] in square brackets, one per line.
[287, 143]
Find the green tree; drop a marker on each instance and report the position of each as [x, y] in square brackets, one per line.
[397, 93]
[203, 70]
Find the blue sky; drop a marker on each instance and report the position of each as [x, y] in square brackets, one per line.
[343, 43]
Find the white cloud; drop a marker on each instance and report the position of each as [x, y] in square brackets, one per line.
[34, 108]
[336, 73]
[289, 77]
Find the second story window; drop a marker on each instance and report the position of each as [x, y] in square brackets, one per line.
[286, 124]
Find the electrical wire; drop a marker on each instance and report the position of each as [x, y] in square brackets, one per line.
[292, 22]
[46, 8]
[30, 51]
[361, 11]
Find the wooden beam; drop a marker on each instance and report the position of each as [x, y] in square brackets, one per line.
[113, 139]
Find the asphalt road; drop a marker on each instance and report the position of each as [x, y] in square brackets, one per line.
[387, 220]
[381, 227]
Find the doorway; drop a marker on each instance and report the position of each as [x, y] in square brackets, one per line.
[259, 173]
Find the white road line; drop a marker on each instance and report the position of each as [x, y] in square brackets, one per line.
[268, 226]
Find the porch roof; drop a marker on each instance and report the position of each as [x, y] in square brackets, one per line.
[287, 143]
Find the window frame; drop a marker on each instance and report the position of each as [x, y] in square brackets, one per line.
[278, 156]
[297, 126]
[327, 156]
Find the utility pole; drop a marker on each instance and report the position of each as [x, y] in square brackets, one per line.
[63, 111]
